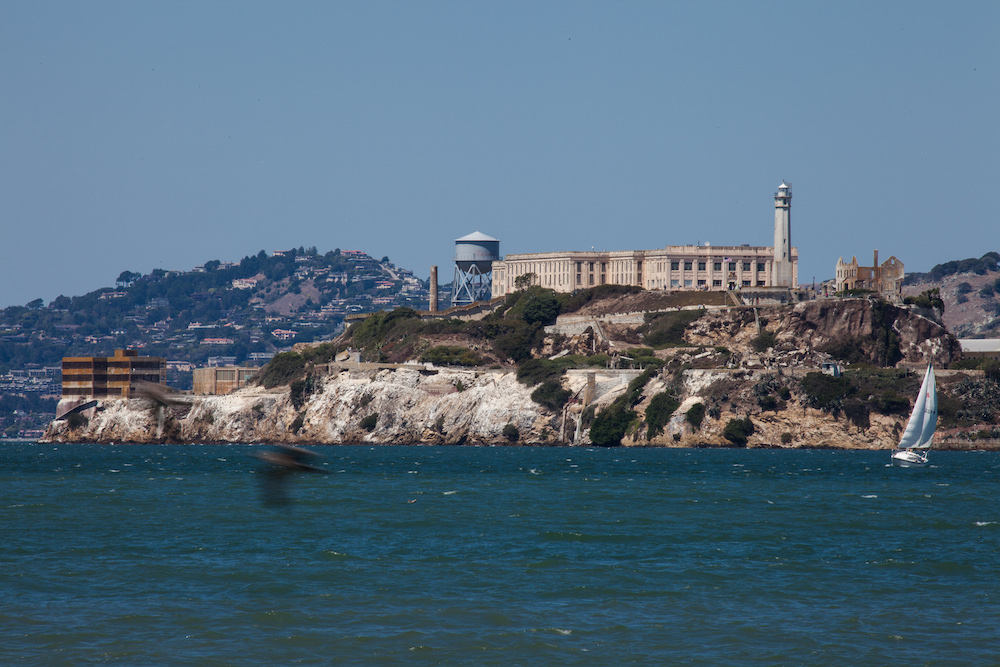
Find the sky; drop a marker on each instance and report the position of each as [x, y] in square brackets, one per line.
[137, 135]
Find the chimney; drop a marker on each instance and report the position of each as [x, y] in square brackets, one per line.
[434, 289]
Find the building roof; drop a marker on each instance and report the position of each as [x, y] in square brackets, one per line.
[477, 236]
[980, 344]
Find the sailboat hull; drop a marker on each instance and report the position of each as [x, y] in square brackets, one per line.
[907, 458]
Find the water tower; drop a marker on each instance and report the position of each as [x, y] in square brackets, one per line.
[474, 257]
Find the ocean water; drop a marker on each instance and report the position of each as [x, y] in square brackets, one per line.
[178, 555]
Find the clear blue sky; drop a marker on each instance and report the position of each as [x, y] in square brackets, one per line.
[142, 135]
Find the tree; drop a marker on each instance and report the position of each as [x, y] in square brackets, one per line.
[35, 305]
[542, 308]
[524, 280]
[126, 278]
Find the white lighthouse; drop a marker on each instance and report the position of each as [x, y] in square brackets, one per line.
[784, 270]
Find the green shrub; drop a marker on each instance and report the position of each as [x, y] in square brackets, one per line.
[786, 438]
[665, 329]
[552, 395]
[763, 341]
[537, 371]
[767, 403]
[541, 307]
[785, 394]
[378, 326]
[661, 407]
[76, 420]
[991, 369]
[857, 412]
[451, 355]
[585, 296]
[282, 369]
[738, 431]
[299, 391]
[610, 425]
[511, 433]
[695, 415]
[825, 392]
[928, 299]
[370, 422]
[891, 404]
[518, 341]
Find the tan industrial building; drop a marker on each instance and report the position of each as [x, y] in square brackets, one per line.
[692, 267]
[885, 278]
[110, 377]
[216, 380]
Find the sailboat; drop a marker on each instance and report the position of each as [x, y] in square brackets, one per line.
[919, 433]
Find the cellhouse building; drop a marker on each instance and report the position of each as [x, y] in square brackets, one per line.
[679, 267]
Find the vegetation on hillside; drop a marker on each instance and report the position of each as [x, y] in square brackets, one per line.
[988, 262]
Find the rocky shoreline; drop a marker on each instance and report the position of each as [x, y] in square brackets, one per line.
[473, 407]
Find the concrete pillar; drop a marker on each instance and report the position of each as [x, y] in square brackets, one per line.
[434, 290]
[591, 390]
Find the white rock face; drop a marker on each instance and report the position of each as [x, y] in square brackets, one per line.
[449, 407]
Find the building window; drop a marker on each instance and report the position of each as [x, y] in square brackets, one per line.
[687, 283]
[716, 283]
[746, 266]
[760, 283]
[675, 266]
[760, 266]
[717, 266]
[732, 266]
[701, 266]
[746, 283]
[701, 282]
[687, 266]
[675, 283]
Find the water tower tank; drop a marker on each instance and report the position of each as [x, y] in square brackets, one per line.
[476, 250]
[474, 257]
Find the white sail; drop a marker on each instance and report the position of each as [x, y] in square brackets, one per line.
[920, 420]
[930, 412]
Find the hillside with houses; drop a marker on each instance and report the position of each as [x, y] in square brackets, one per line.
[217, 313]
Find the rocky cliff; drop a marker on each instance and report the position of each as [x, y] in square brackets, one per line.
[450, 406]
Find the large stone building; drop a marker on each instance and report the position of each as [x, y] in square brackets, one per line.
[885, 278]
[689, 267]
[221, 379]
[110, 377]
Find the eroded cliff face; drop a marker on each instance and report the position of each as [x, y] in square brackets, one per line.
[401, 407]
[807, 333]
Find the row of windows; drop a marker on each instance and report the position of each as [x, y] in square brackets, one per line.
[88, 391]
[102, 365]
[716, 266]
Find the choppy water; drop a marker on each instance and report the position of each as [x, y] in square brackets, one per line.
[166, 555]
